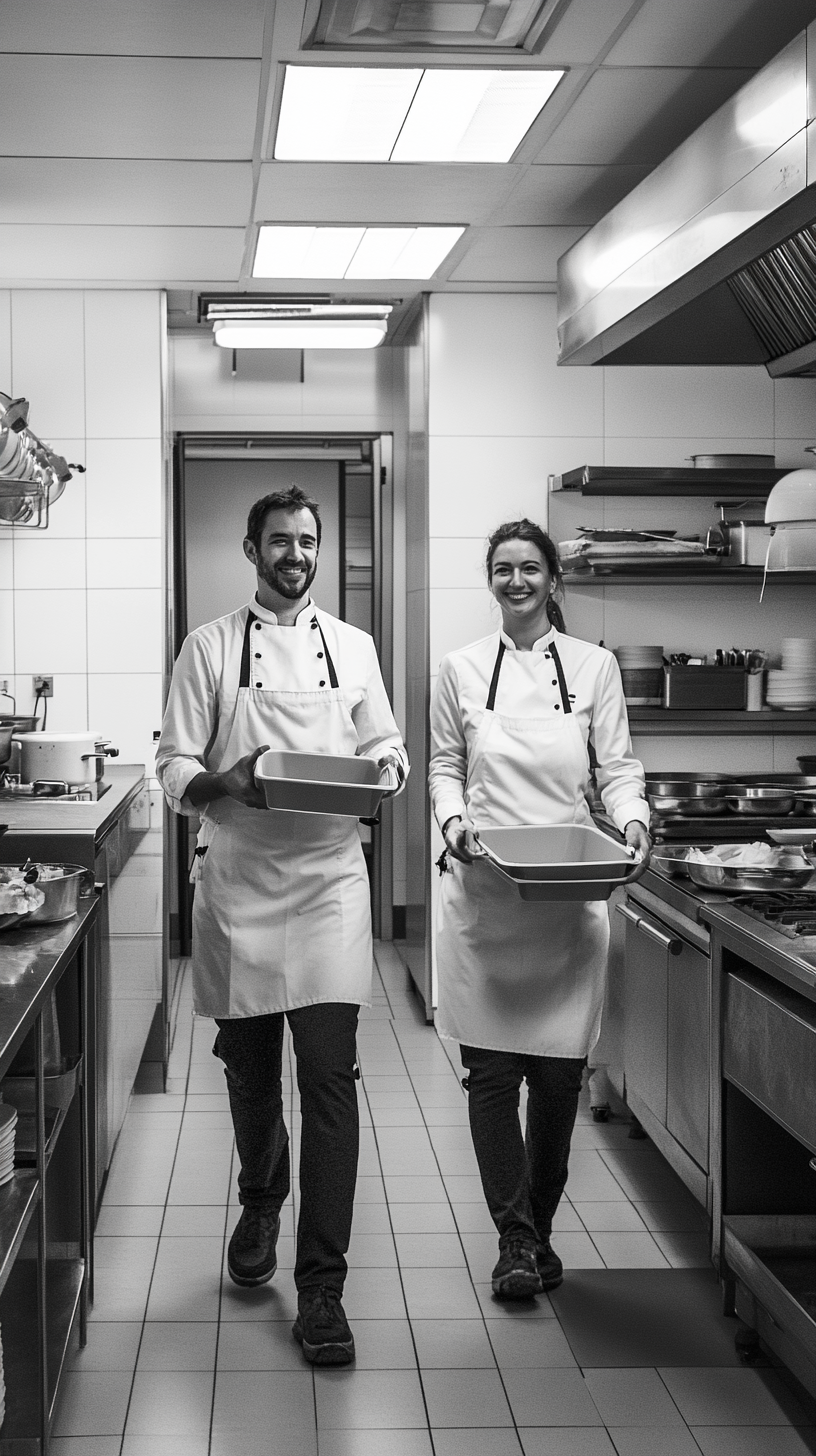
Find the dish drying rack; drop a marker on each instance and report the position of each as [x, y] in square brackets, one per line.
[32, 474]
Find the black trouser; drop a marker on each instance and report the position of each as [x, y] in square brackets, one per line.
[522, 1177]
[324, 1039]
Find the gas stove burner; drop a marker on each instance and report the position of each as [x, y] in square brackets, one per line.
[791, 912]
[12, 788]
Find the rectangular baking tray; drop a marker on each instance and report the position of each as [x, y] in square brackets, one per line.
[560, 852]
[320, 783]
[556, 889]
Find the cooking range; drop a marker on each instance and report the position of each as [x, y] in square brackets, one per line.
[11, 788]
[789, 912]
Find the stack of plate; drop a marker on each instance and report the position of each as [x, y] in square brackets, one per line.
[793, 686]
[642, 673]
[8, 1127]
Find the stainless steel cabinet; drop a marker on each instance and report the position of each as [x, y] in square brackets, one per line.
[666, 1038]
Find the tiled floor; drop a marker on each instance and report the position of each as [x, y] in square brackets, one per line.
[631, 1355]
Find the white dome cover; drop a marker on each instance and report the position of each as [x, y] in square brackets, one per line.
[793, 498]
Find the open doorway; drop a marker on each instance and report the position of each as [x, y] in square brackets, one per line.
[216, 478]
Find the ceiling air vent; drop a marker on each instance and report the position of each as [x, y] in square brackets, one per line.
[415, 25]
[777, 294]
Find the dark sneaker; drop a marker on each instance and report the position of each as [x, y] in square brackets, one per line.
[516, 1276]
[251, 1256]
[550, 1267]
[322, 1329]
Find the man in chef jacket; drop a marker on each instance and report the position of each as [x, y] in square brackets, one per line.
[281, 917]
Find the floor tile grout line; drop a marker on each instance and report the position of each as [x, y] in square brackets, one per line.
[220, 1299]
[399, 1271]
[499, 1371]
[156, 1255]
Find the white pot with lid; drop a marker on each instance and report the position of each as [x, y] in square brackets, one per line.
[71, 758]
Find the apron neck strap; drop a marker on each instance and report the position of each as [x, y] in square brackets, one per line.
[243, 681]
[562, 681]
[246, 652]
[494, 681]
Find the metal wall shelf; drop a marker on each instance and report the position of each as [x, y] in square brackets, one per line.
[686, 721]
[678, 576]
[657, 481]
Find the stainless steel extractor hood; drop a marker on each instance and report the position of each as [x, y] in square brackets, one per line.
[712, 259]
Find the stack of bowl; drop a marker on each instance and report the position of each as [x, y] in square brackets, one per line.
[793, 685]
[642, 673]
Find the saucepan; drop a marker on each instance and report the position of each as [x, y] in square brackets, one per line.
[757, 799]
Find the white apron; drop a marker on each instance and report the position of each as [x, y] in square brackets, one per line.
[519, 975]
[281, 915]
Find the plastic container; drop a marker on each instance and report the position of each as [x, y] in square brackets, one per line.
[318, 783]
[557, 861]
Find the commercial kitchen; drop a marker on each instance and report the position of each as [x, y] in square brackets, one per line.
[440, 266]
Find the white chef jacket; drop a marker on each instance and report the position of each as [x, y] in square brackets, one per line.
[595, 692]
[202, 697]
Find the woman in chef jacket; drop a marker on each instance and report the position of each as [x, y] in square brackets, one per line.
[521, 983]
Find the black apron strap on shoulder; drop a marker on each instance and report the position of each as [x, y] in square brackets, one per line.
[562, 681]
[243, 681]
[494, 681]
[330, 665]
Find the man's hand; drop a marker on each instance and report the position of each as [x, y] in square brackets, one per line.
[239, 781]
[392, 774]
[638, 837]
[459, 841]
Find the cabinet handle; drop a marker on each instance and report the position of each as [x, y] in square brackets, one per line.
[669, 942]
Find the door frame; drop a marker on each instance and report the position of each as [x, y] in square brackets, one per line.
[380, 447]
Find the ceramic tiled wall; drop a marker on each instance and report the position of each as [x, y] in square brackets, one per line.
[503, 416]
[83, 600]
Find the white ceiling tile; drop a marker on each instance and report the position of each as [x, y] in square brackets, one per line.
[638, 116]
[95, 190]
[515, 255]
[75, 106]
[724, 33]
[585, 28]
[374, 192]
[564, 194]
[99, 254]
[138, 27]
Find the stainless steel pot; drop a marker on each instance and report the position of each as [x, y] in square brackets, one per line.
[62, 894]
[682, 804]
[732, 462]
[5, 743]
[19, 723]
[755, 799]
[702, 788]
[792, 873]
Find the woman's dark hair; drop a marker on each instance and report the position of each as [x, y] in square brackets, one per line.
[525, 530]
[293, 499]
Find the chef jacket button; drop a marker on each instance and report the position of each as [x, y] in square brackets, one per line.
[257, 626]
[314, 626]
[557, 706]
[322, 682]
[257, 654]
[555, 682]
[320, 654]
[259, 685]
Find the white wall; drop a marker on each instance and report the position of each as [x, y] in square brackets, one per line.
[83, 600]
[503, 416]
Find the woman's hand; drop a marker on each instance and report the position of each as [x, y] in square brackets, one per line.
[638, 838]
[458, 834]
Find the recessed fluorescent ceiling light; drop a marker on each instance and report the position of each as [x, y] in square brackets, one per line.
[370, 114]
[352, 252]
[296, 334]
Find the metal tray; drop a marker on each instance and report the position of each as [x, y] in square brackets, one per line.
[556, 889]
[733, 879]
[317, 783]
[557, 852]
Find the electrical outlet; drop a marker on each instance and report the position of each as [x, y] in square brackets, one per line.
[4, 692]
[43, 686]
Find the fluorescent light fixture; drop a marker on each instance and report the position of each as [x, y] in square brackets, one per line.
[382, 114]
[299, 333]
[352, 252]
[332, 113]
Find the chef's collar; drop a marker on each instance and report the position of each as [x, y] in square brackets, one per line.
[540, 646]
[264, 615]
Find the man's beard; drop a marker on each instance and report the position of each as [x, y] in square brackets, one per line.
[274, 578]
